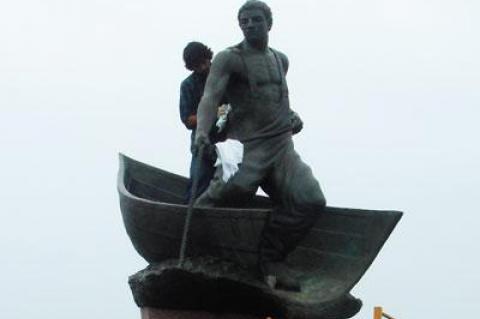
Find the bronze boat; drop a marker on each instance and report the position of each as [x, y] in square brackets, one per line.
[338, 250]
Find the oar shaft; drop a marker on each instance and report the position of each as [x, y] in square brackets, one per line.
[191, 201]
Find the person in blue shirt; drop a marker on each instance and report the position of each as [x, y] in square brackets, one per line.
[197, 57]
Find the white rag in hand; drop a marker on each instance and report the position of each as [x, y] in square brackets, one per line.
[229, 155]
[222, 120]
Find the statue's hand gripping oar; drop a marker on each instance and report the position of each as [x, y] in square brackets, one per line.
[191, 201]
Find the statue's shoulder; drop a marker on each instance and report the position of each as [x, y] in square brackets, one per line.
[229, 58]
[235, 49]
[282, 56]
[234, 52]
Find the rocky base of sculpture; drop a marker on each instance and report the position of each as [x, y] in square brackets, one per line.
[215, 286]
[155, 313]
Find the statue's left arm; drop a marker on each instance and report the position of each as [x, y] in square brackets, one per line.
[296, 121]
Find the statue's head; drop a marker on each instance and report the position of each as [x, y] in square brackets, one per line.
[255, 20]
[197, 57]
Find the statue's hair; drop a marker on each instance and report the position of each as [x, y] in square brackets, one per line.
[195, 53]
[257, 4]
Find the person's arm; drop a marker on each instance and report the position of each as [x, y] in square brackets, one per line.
[214, 90]
[187, 114]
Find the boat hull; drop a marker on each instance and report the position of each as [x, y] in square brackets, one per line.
[331, 259]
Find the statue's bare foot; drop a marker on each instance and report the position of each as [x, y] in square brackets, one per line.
[277, 275]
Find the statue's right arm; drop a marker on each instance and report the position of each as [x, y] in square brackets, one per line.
[215, 87]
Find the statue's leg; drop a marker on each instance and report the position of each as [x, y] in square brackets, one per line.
[236, 192]
[213, 194]
[299, 200]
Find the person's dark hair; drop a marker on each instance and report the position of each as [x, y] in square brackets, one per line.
[195, 53]
[256, 4]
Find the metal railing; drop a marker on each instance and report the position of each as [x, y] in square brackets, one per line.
[379, 314]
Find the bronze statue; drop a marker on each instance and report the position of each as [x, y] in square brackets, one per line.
[252, 77]
[328, 248]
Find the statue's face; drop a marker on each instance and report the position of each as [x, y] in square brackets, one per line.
[254, 25]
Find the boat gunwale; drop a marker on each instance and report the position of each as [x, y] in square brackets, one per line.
[125, 192]
[343, 211]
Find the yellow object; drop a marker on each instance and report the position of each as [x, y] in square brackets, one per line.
[379, 314]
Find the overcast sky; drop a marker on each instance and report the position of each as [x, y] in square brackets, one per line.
[389, 92]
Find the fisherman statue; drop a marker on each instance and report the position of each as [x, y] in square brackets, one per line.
[310, 256]
[252, 77]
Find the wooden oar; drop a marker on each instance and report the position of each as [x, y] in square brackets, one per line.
[191, 201]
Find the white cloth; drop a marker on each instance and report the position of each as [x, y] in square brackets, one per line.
[222, 120]
[229, 155]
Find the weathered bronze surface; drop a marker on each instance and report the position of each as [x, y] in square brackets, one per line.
[218, 286]
[326, 250]
[328, 262]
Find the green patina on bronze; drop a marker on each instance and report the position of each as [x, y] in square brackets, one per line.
[290, 240]
[328, 262]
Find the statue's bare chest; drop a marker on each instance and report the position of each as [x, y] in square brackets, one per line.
[262, 69]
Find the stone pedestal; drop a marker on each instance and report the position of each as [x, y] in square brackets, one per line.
[155, 313]
[214, 289]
